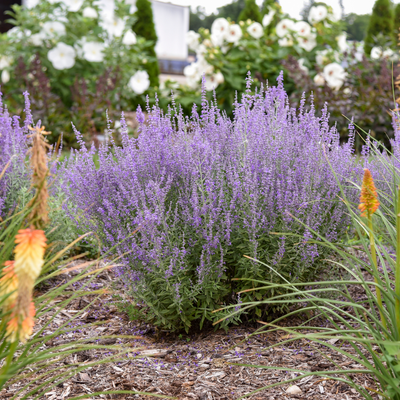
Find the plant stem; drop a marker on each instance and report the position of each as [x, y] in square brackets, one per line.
[373, 255]
[397, 276]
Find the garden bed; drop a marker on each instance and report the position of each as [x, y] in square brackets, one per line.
[195, 366]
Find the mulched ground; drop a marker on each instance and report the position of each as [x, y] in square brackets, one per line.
[197, 366]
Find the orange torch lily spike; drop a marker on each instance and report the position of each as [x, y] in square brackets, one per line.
[368, 205]
[369, 197]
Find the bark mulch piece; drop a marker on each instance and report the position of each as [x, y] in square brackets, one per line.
[190, 367]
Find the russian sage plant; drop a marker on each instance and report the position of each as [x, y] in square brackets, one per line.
[191, 195]
[13, 152]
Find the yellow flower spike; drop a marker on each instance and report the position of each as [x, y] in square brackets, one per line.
[29, 253]
[369, 197]
[20, 325]
[368, 205]
[9, 283]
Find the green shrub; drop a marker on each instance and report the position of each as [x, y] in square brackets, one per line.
[380, 26]
[250, 11]
[144, 27]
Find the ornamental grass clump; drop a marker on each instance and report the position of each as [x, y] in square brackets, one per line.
[358, 317]
[30, 362]
[191, 195]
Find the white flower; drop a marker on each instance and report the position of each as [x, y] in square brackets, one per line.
[285, 42]
[388, 53]
[284, 27]
[193, 40]
[201, 50]
[376, 53]
[106, 8]
[132, 9]
[319, 80]
[139, 82]
[256, 30]
[37, 39]
[203, 66]
[302, 28]
[59, 14]
[93, 51]
[309, 42]
[73, 5]
[54, 1]
[268, 18]
[334, 75]
[192, 83]
[129, 38]
[78, 46]
[5, 62]
[31, 3]
[342, 43]
[347, 91]
[114, 27]
[322, 57]
[190, 71]
[211, 82]
[62, 56]
[16, 34]
[219, 27]
[234, 33]
[89, 12]
[216, 39]
[336, 15]
[52, 29]
[5, 76]
[317, 14]
[219, 78]
[302, 66]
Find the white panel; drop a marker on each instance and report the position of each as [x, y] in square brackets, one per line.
[172, 24]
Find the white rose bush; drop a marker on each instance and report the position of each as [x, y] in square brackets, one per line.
[82, 53]
[314, 55]
[226, 52]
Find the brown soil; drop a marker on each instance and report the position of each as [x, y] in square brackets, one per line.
[198, 366]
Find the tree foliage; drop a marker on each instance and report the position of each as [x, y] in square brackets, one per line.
[380, 27]
[144, 27]
[356, 26]
[266, 5]
[198, 19]
[250, 11]
[397, 20]
[232, 10]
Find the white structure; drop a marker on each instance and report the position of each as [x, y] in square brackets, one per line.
[172, 24]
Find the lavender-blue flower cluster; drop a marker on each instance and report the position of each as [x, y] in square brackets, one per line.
[190, 196]
[13, 152]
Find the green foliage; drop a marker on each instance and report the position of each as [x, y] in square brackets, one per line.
[356, 26]
[396, 22]
[198, 19]
[380, 25]
[250, 11]
[267, 4]
[144, 27]
[231, 10]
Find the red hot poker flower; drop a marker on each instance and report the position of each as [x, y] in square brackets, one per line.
[369, 197]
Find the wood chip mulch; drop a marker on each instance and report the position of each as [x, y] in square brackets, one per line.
[197, 366]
